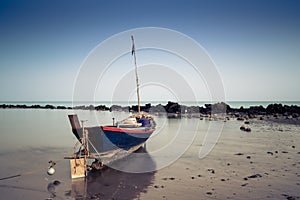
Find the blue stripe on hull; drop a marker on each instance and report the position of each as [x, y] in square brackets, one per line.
[124, 140]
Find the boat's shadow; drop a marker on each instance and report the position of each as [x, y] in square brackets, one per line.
[110, 183]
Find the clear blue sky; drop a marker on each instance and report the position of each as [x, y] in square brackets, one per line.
[255, 44]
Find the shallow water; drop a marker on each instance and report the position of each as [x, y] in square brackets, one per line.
[30, 138]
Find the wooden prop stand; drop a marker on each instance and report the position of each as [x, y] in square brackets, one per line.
[78, 165]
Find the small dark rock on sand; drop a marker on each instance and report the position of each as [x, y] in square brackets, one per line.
[289, 197]
[211, 170]
[56, 182]
[246, 129]
[253, 176]
[269, 152]
[239, 154]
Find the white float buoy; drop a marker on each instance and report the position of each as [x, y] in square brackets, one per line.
[51, 171]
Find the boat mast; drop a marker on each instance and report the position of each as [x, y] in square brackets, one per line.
[136, 75]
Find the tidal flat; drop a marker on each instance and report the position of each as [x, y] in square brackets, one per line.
[261, 164]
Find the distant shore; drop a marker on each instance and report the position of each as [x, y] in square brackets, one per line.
[175, 110]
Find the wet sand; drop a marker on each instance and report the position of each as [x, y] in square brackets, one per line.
[261, 164]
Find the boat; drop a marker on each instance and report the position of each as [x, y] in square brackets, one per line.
[108, 143]
[126, 134]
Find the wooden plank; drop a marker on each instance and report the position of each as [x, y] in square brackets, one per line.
[78, 168]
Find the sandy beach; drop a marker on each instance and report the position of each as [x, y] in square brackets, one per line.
[261, 164]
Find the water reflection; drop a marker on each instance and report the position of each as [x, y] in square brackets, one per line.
[113, 184]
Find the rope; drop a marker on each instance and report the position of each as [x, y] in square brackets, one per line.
[18, 175]
[10, 177]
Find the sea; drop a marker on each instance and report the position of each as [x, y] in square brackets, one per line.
[30, 138]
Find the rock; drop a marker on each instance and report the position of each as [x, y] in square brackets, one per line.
[242, 128]
[275, 108]
[119, 108]
[239, 154]
[261, 118]
[211, 170]
[289, 197]
[50, 107]
[91, 107]
[240, 119]
[219, 107]
[248, 129]
[101, 107]
[248, 157]
[269, 152]
[56, 182]
[172, 107]
[254, 176]
[247, 122]
[36, 106]
[61, 107]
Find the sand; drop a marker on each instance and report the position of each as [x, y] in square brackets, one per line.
[261, 164]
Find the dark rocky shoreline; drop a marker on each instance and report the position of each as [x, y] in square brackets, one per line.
[172, 107]
[175, 110]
